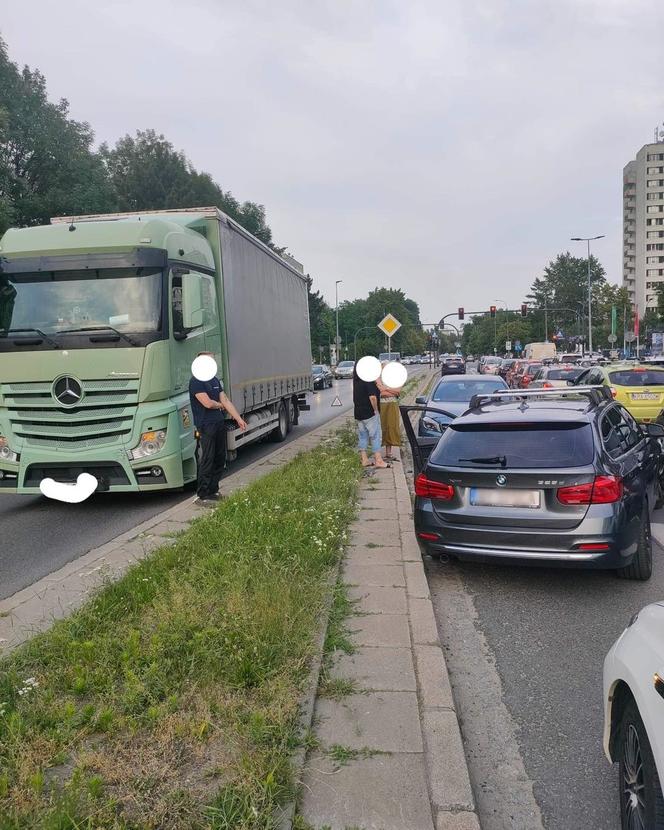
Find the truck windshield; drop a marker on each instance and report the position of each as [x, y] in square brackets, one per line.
[60, 304]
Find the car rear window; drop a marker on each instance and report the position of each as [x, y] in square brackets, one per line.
[563, 374]
[524, 446]
[463, 390]
[637, 377]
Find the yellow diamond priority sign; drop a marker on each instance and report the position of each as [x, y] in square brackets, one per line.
[389, 325]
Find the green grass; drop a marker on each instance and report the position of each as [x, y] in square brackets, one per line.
[171, 699]
[343, 755]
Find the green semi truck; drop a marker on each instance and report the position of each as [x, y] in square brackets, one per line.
[100, 320]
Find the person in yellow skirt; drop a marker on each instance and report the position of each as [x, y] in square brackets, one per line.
[390, 418]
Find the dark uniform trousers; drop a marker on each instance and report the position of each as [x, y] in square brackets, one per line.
[212, 459]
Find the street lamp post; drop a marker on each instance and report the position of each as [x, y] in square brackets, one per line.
[495, 324]
[588, 239]
[336, 303]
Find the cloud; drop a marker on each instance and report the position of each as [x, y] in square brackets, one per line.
[444, 147]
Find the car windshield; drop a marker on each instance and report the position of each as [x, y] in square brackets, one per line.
[128, 299]
[524, 446]
[563, 374]
[317, 370]
[346, 364]
[637, 377]
[493, 360]
[461, 391]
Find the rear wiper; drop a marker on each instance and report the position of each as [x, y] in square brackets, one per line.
[126, 337]
[37, 331]
[489, 459]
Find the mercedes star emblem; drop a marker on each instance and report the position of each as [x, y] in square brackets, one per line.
[501, 480]
[67, 391]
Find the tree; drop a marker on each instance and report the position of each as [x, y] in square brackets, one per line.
[320, 320]
[47, 166]
[148, 173]
[563, 291]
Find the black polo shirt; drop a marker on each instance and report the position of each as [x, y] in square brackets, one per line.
[204, 417]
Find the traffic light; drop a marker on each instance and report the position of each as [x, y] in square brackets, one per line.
[460, 313]
[492, 310]
[524, 309]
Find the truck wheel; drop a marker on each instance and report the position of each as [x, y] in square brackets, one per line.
[280, 432]
[641, 567]
[292, 414]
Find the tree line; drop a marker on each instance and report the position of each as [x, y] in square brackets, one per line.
[49, 167]
[558, 311]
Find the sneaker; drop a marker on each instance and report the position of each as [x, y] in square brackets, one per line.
[208, 500]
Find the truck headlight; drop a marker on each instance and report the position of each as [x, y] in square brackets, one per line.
[6, 452]
[150, 443]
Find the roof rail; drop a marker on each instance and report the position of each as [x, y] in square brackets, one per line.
[595, 394]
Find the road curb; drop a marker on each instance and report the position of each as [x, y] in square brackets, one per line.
[35, 608]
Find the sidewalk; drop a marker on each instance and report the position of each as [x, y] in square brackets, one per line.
[388, 756]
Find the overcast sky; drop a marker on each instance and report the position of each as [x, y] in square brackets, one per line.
[449, 148]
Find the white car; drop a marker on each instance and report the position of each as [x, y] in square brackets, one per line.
[634, 718]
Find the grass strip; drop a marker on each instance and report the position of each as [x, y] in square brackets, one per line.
[170, 700]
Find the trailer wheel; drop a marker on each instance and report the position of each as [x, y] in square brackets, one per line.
[280, 432]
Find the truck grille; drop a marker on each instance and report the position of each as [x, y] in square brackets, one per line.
[104, 416]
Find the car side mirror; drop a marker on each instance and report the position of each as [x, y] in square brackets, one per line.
[654, 430]
[421, 399]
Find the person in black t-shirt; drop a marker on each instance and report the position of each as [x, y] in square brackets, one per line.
[366, 402]
[208, 403]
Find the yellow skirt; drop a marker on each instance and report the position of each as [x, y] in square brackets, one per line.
[390, 422]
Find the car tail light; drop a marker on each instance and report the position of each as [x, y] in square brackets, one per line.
[429, 537]
[429, 489]
[547, 385]
[593, 546]
[614, 391]
[603, 490]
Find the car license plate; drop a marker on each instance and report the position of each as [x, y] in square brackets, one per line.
[485, 497]
[644, 396]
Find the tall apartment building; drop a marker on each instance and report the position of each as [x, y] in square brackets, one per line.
[643, 225]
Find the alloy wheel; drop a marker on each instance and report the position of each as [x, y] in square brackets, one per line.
[632, 781]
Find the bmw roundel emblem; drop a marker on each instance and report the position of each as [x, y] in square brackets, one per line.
[501, 480]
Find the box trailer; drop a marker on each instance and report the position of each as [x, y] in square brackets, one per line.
[100, 320]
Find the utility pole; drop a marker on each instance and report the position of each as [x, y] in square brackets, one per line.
[588, 239]
[336, 342]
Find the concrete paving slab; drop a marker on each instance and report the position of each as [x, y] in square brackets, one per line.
[416, 581]
[448, 774]
[379, 600]
[376, 501]
[374, 575]
[422, 622]
[379, 669]
[387, 518]
[384, 721]
[433, 681]
[382, 555]
[457, 821]
[390, 630]
[384, 792]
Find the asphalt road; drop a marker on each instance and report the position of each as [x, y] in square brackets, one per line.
[525, 649]
[38, 535]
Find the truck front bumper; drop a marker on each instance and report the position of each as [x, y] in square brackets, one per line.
[115, 475]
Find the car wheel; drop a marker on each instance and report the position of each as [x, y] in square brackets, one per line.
[641, 566]
[641, 801]
[659, 491]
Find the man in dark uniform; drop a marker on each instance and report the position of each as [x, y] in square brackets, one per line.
[208, 404]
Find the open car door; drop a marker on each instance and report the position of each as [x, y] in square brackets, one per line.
[421, 445]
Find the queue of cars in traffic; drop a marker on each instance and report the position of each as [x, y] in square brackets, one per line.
[559, 464]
